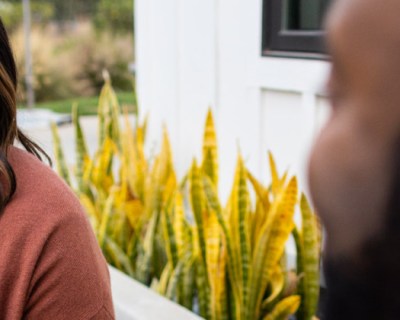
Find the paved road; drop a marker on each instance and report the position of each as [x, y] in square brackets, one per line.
[42, 135]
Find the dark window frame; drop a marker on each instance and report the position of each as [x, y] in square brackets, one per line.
[288, 43]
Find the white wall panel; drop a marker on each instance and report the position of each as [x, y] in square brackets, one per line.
[193, 53]
[197, 78]
[283, 130]
[157, 71]
[239, 102]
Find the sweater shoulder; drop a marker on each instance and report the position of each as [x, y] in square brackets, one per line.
[40, 193]
[63, 267]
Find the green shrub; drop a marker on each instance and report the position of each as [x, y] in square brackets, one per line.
[12, 16]
[114, 16]
[67, 65]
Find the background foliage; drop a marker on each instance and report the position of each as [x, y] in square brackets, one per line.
[116, 16]
[105, 14]
[11, 13]
[73, 42]
[71, 64]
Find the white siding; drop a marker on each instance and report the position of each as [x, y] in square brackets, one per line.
[195, 53]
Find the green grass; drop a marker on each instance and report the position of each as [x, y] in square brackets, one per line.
[87, 105]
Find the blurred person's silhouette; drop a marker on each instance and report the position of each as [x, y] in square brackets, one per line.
[51, 266]
[354, 171]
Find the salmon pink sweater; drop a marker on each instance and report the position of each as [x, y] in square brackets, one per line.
[51, 266]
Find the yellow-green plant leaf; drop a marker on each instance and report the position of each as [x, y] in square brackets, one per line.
[219, 303]
[90, 209]
[169, 235]
[108, 114]
[133, 210]
[81, 152]
[133, 173]
[188, 285]
[297, 236]
[232, 254]
[261, 192]
[102, 175]
[174, 281]
[310, 280]
[141, 163]
[277, 284]
[144, 266]
[160, 173]
[103, 112]
[284, 309]
[120, 259]
[213, 243]
[143, 129]
[274, 174]
[179, 224]
[61, 165]
[164, 280]
[105, 219]
[203, 289]
[213, 246]
[115, 115]
[243, 215]
[210, 150]
[259, 218]
[169, 188]
[197, 202]
[271, 243]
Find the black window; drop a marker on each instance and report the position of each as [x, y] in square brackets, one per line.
[293, 27]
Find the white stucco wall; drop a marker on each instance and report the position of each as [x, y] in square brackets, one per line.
[192, 54]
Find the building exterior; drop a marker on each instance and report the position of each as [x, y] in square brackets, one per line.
[192, 54]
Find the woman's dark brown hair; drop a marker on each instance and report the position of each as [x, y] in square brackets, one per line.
[9, 131]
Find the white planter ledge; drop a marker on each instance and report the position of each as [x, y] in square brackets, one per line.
[134, 301]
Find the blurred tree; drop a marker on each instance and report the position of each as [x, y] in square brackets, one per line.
[71, 9]
[11, 13]
[116, 16]
[60, 10]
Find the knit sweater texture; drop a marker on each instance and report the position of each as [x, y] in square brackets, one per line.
[51, 266]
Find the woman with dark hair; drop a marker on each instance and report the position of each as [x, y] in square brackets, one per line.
[50, 264]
